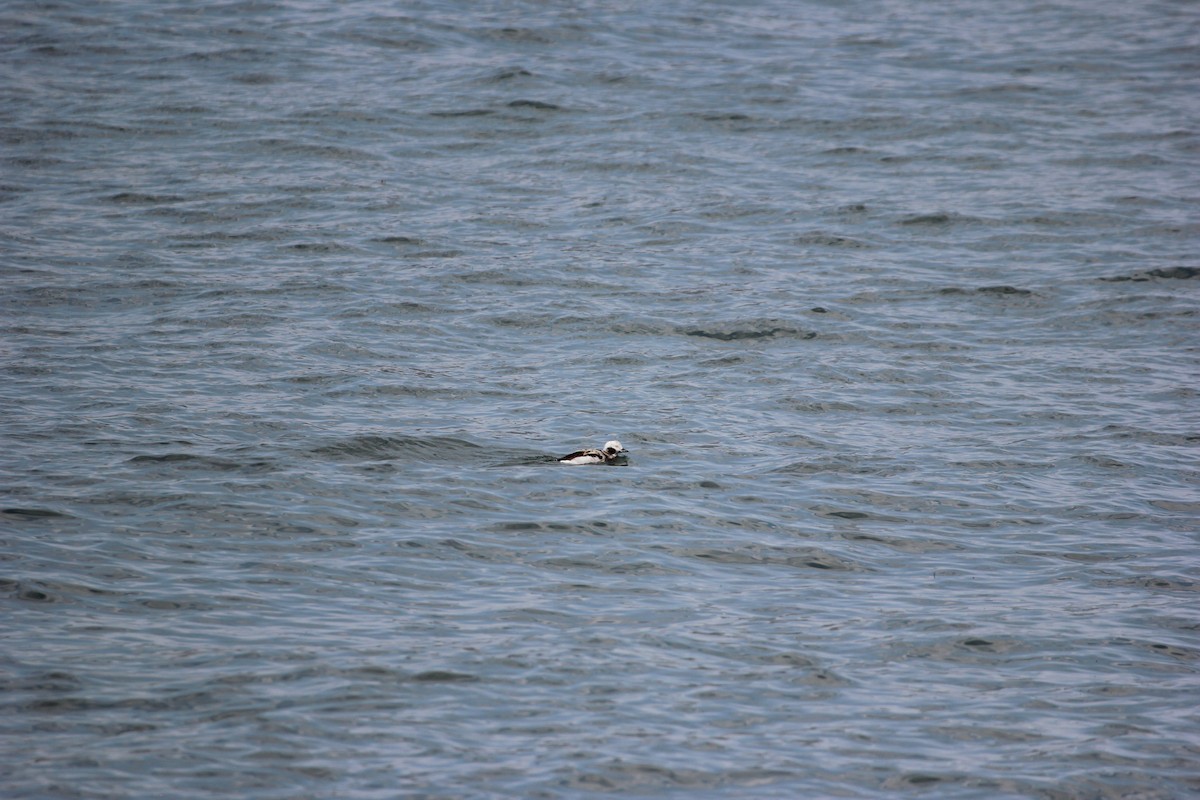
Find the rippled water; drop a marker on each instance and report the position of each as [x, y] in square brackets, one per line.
[894, 304]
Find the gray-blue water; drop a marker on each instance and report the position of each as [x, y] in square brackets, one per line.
[896, 306]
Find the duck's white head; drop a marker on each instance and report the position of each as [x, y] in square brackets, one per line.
[613, 448]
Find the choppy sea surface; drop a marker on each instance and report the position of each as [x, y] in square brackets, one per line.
[896, 306]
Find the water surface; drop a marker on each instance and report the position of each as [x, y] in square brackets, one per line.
[894, 304]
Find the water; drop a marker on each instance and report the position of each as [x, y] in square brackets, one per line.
[894, 304]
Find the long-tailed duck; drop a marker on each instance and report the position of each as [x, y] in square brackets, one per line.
[611, 452]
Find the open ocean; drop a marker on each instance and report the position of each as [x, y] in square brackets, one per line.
[895, 304]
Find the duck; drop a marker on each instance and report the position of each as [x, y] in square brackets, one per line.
[611, 451]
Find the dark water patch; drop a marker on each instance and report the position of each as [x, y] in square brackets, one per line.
[1176, 652]
[885, 127]
[865, 41]
[52, 297]
[229, 321]
[443, 253]
[536, 105]
[194, 461]
[918, 780]
[32, 162]
[1002, 464]
[749, 332]
[172, 604]
[399, 308]
[181, 109]
[528, 319]
[725, 116]
[847, 514]
[444, 676]
[320, 248]
[35, 594]
[466, 112]
[1157, 583]
[1103, 461]
[392, 390]
[1168, 273]
[166, 701]
[805, 406]
[966, 649]
[723, 362]
[47, 681]
[822, 239]
[1003, 290]
[227, 237]
[237, 54]
[142, 199]
[1178, 506]
[522, 35]
[974, 642]
[1158, 438]
[988, 290]
[1083, 220]
[937, 220]
[608, 564]
[901, 544]
[30, 514]
[399, 241]
[401, 41]
[499, 277]
[806, 558]
[1003, 88]
[258, 78]
[640, 777]
[593, 528]
[60, 591]
[738, 122]
[1106, 557]
[626, 360]
[843, 466]
[1138, 161]
[379, 446]
[306, 150]
[165, 458]
[506, 75]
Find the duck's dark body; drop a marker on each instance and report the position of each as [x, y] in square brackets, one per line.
[611, 452]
